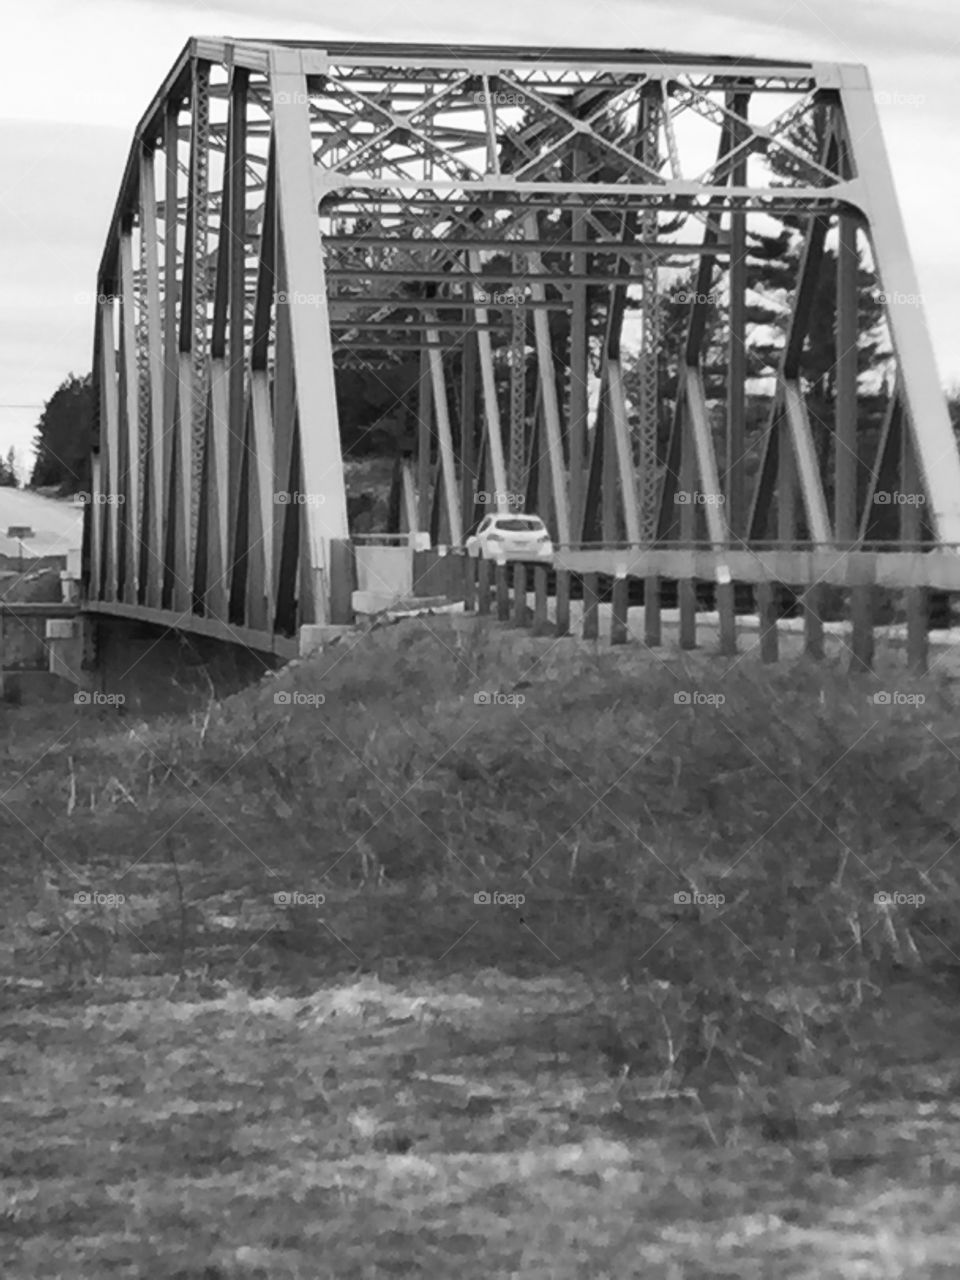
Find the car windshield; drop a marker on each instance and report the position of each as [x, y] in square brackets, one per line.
[520, 524]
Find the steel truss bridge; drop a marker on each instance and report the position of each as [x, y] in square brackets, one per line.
[499, 218]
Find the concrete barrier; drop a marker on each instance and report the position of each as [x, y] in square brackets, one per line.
[384, 576]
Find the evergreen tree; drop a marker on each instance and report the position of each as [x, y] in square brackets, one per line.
[64, 437]
[8, 470]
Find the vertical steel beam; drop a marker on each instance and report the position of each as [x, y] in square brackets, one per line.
[735, 487]
[200, 209]
[310, 322]
[696, 329]
[686, 586]
[603, 436]
[285, 463]
[650, 105]
[548, 383]
[491, 407]
[811, 482]
[786, 483]
[579, 362]
[916, 599]
[702, 439]
[468, 431]
[409, 495]
[928, 420]
[772, 463]
[518, 384]
[260, 576]
[175, 501]
[445, 440]
[237, 246]
[887, 466]
[93, 516]
[131, 414]
[617, 404]
[424, 440]
[154, 476]
[110, 416]
[216, 476]
[845, 413]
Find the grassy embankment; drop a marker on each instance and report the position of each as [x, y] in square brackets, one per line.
[400, 1080]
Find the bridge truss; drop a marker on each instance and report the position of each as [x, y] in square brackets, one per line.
[289, 209]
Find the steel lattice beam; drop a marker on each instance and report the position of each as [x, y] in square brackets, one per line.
[291, 207]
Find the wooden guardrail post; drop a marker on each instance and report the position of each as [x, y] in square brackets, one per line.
[618, 613]
[520, 611]
[812, 622]
[862, 597]
[728, 618]
[687, 599]
[767, 611]
[591, 606]
[651, 610]
[563, 602]
[540, 584]
[469, 584]
[501, 576]
[917, 601]
[483, 587]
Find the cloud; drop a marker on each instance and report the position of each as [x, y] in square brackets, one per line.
[853, 30]
[62, 156]
[56, 196]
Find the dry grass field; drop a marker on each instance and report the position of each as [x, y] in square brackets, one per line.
[699, 1047]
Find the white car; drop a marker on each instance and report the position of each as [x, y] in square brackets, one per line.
[510, 537]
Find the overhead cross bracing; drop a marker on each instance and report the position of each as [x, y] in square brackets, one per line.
[291, 209]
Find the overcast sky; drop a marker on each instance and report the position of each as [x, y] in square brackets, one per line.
[78, 74]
